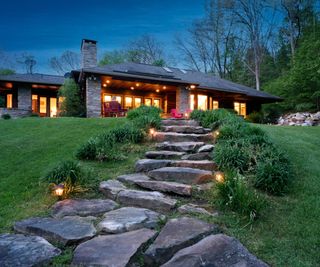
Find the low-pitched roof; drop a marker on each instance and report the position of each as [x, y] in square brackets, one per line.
[33, 78]
[177, 75]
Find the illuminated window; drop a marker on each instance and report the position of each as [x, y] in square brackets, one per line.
[106, 98]
[9, 100]
[240, 108]
[43, 105]
[215, 104]
[156, 103]
[148, 101]
[118, 99]
[34, 103]
[53, 107]
[192, 102]
[202, 102]
[137, 102]
[128, 102]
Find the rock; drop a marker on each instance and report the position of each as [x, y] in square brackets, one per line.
[175, 235]
[194, 209]
[150, 200]
[185, 129]
[206, 148]
[167, 187]
[181, 175]
[129, 219]
[25, 251]
[203, 187]
[215, 250]
[111, 188]
[181, 122]
[132, 178]
[208, 165]
[117, 250]
[300, 119]
[82, 207]
[164, 154]
[66, 231]
[197, 156]
[180, 137]
[145, 165]
[179, 146]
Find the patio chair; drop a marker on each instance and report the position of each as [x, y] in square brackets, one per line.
[175, 114]
[114, 109]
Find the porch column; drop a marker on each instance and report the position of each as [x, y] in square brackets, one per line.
[93, 97]
[182, 99]
[24, 99]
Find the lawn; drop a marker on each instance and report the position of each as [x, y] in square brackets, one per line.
[288, 234]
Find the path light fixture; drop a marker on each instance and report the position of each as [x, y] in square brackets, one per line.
[219, 177]
[216, 133]
[58, 190]
[186, 115]
[152, 132]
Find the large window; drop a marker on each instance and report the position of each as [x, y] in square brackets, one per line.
[202, 102]
[34, 103]
[137, 102]
[215, 104]
[192, 102]
[107, 98]
[53, 107]
[240, 108]
[128, 102]
[43, 105]
[156, 102]
[148, 101]
[9, 100]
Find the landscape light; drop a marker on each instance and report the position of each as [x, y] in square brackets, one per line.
[58, 190]
[219, 177]
[152, 132]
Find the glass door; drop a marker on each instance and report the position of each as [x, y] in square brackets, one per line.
[43, 106]
[53, 107]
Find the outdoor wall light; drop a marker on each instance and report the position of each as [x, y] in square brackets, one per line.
[58, 190]
[104, 85]
[157, 90]
[219, 177]
[192, 86]
[132, 88]
[164, 87]
[137, 84]
[108, 81]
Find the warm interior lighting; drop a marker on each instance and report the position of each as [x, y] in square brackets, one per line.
[156, 103]
[137, 84]
[192, 86]
[128, 102]
[58, 190]
[104, 85]
[108, 81]
[240, 108]
[164, 87]
[9, 100]
[107, 98]
[191, 102]
[8, 85]
[202, 102]
[215, 104]
[219, 177]
[137, 102]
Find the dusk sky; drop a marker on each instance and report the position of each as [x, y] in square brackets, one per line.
[47, 28]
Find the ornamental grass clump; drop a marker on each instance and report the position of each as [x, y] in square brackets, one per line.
[145, 117]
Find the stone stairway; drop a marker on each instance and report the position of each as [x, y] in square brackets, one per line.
[124, 228]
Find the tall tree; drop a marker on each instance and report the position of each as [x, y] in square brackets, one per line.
[28, 62]
[65, 63]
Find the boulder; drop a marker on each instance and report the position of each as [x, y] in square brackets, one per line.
[150, 200]
[215, 250]
[181, 175]
[175, 235]
[145, 165]
[82, 207]
[117, 250]
[197, 156]
[206, 148]
[185, 129]
[194, 209]
[111, 188]
[129, 219]
[132, 178]
[25, 251]
[166, 187]
[66, 231]
[208, 165]
[179, 146]
[181, 137]
[300, 119]
[181, 122]
[164, 154]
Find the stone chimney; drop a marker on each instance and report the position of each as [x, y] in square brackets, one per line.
[88, 53]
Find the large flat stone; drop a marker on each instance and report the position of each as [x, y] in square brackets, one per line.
[197, 156]
[164, 154]
[116, 250]
[208, 165]
[180, 146]
[181, 122]
[181, 137]
[185, 129]
[150, 200]
[25, 251]
[215, 250]
[194, 209]
[206, 148]
[129, 219]
[167, 187]
[111, 188]
[145, 165]
[181, 175]
[66, 231]
[132, 178]
[82, 207]
[175, 235]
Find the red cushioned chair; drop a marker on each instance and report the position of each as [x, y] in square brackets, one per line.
[175, 114]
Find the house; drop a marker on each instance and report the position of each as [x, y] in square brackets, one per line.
[132, 85]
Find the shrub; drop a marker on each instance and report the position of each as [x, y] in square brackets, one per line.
[256, 117]
[239, 129]
[272, 171]
[6, 116]
[143, 111]
[127, 133]
[2, 102]
[88, 150]
[145, 117]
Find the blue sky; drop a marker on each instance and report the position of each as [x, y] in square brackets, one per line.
[47, 28]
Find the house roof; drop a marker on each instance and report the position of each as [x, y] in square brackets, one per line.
[179, 76]
[33, 78]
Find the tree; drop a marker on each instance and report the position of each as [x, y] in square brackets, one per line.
[28, 62]
[65, 63]
[113, 57]
[72, 104]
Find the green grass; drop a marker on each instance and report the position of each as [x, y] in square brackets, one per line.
[30, 147]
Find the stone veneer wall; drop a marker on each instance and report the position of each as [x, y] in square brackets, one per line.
[93, 98]
[14, 112]
[88, 54]
[182, 99]
[24, 99]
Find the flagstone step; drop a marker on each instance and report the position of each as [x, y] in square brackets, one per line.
[117, 250]
[180, 146]
[132, 178]
[129, 219]
[186, 129]
[65, 231]
[182, 137]
[197, 156]
[164, 154]
[181, 175]
[179, 122]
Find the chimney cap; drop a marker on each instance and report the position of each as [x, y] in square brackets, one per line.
[88, 41]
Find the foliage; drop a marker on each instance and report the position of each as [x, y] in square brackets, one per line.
[66, 62]
[2, 102]
[72, 104]
[256, 117]
[6, 71]
[6, 116]
[145, 117]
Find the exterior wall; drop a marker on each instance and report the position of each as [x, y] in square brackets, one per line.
[14, 112]
[182, 99]
[24, 99]
[93, 98]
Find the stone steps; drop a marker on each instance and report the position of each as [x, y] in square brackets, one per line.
[182, 137]
[186, 129]
[179, 122]
[164, 154]
[188, 147]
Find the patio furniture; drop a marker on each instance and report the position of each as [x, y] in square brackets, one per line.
[175, 114]
[113, 109]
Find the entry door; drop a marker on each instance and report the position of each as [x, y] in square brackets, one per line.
[43, 106]
[53, 107]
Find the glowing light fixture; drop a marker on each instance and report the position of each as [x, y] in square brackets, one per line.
[108, 81]
[58, 190]
[216, 134]
[219, 177]
[137, 84]
[132, 88]
[104, 85]
[157, 90]
[164, 87]
[192, 86]
[152, 132]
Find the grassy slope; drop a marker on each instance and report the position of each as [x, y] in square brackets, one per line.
[31, 146]
[289, 235]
